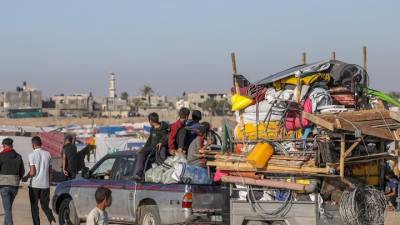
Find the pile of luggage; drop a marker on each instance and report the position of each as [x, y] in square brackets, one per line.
[272, 107]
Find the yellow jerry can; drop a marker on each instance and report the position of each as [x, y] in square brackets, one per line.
[260, 155]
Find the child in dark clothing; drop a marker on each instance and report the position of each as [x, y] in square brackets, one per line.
[177, 135]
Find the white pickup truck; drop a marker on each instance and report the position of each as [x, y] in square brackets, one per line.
[134, 202]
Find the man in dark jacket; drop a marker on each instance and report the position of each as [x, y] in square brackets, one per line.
[192, 127]
[156, 143]
[11, 172]
[70, 158]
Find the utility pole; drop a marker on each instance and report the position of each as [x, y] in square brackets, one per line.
[303, 58]
[364, 57]
[333, 55]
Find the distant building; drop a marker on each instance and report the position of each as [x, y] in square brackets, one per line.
[25, 101]
[149, 101]
[194, 100]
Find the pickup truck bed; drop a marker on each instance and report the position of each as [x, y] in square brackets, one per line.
[134, 202]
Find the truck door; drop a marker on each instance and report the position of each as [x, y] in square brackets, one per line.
[85, 189]
[123, 198]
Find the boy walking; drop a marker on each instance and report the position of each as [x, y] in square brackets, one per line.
[98, 215]
[39, 184]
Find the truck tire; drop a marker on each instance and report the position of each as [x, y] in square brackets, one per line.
[149, 215]
[256, 222]
[67, 214]
[278, 223]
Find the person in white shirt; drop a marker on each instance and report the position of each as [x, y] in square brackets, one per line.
[98, 215]
[39, 184]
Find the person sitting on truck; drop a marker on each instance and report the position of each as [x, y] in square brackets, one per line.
[192, 126]
[178, 133]
[98, 215]
[156, 143]
[197, 148]
[391, 190]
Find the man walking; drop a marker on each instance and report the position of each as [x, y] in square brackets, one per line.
[69, 158]
[39, 184]
[11, 172]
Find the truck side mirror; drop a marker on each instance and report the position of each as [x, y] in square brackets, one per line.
[85, 172]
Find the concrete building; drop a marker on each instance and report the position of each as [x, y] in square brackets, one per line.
[195, 99]
[24, 102]
[74, 105]
[149, 101]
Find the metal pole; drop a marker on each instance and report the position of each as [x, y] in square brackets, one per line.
[303, 58]
[333, 55]
[364, 58]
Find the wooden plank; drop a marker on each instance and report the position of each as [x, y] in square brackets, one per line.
[244, 166]
[358, 116]
[319, 121]
[395, 115]
[367, 130]
[342, 153]
[351, 148]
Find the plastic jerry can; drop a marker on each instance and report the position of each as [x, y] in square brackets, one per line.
[260, 155]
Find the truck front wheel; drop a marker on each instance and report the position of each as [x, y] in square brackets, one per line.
[149, 215]
[255, 222]
[67, 214]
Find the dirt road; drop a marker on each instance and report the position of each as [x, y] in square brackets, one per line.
[22, 211]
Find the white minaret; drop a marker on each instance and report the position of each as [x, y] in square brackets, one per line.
[112, 90]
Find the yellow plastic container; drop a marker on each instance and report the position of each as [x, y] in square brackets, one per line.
[260, 155]
[240, 102]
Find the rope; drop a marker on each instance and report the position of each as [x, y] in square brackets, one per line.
[387, 125]
[362, 138]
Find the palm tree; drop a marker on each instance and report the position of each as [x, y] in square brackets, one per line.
[124, 96]
[147, 91]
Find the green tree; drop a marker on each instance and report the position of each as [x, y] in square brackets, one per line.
[147, 91]
[124, 96]
[216, 108]
[210, 105]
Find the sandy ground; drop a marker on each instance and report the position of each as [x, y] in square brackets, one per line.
[47, 121]
[22, 213]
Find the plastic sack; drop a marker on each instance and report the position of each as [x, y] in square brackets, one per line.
[162, 173]
[308, 80]
[269, 130]
[189, 174]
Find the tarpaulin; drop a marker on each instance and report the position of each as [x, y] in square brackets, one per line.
[107, 145]
[52, 142]
[110, 129]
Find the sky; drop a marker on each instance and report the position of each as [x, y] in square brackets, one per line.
[181, 46]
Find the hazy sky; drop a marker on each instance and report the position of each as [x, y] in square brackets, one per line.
[175, 46]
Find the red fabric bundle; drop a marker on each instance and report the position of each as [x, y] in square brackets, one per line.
[295, 121]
